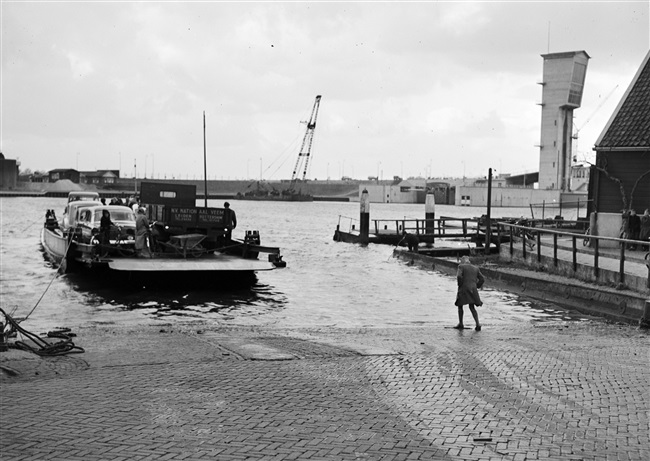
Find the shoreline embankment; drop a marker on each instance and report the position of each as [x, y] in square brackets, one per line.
[618, 304]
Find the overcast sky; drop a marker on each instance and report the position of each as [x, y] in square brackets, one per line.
[424, 88]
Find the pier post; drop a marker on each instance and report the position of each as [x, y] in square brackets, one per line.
[488, 228]
[364, 217]
[430, 215]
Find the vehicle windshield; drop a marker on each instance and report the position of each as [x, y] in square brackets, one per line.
[83, 196]
[73, 208]
[83, 214]
[116, 215]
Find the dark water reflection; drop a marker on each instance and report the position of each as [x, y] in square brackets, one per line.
[186, 297]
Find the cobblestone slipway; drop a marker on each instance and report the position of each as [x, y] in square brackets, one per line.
[558, 390]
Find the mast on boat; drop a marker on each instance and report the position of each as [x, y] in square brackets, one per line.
[205, 165]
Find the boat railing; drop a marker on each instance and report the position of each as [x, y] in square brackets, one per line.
[530, 240]
[350, 223]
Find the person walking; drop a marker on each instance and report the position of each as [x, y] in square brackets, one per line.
[469, 279]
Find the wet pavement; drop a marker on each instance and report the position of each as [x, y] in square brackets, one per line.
[565, 390]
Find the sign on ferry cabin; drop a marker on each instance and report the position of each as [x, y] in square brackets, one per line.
[196, 217]
[175, 205]
[190, 220]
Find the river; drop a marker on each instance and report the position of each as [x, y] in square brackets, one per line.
[325, 283]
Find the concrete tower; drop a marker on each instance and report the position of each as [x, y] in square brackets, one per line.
[564, 79]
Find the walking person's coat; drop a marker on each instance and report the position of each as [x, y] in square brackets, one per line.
[470, 280]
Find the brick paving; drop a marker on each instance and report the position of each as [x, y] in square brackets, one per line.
[554, 390]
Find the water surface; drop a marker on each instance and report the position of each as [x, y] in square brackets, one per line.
[325, 283]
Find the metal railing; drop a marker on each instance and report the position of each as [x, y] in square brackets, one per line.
[530, 239]
[558, 208]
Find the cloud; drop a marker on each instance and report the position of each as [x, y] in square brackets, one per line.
[416, 86]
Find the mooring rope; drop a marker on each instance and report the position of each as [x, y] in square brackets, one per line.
[42, 348]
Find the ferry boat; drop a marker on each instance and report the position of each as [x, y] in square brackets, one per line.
[182, 239]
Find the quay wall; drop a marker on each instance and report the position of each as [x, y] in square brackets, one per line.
[226, 189]
[583, 272]
[570, 292]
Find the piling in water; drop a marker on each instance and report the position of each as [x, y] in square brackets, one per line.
[430, 213]
[364, 217]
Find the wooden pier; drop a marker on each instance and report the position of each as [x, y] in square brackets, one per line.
[391, 231]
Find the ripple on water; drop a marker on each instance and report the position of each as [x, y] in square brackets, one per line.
[326, 283]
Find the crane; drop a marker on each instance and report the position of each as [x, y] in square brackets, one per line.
[577, 131]
[305, 149]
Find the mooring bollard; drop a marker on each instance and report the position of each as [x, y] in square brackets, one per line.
[644, 322]
[364, 217]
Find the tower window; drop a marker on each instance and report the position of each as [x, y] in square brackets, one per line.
[577, 83]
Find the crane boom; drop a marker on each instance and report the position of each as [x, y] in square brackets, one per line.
[305, 148]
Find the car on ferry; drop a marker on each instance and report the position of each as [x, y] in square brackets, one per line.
[82, 195]
[72, 211]
[121, 233]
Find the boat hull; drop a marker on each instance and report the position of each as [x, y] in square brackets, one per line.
[208, 263]
[82, 258]
[55, 245]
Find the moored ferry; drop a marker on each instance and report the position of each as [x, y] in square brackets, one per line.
[176, 237]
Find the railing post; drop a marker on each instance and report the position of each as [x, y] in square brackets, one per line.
[511, 241]
[621, 273]
[596, 271]
[555, 249]
[499, 237]
[539, 247]
[575, 252]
